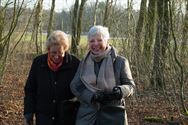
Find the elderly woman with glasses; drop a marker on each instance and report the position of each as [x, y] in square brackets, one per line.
[102, 82]
[48, 83]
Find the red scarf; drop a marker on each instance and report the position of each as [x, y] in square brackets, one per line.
[52, 65]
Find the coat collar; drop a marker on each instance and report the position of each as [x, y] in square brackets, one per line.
[66, 64]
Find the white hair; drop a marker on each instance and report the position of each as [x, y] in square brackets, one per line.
[99, 30]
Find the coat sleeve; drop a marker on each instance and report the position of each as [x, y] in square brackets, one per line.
[79, 89]
[127, 84]
[30, 90]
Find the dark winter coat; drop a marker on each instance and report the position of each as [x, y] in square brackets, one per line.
[45, 89]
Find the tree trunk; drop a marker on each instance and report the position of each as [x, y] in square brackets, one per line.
[2, 22]
[107, 12]
[138, 38]
[74, 49]
[185, 36]
[165, 41]
[95, 12]
[139, 27]
[150, 30]
[165, 32]
[157, 78]
[51, 18]
[79, 24]
[181, 68]
[130, 30]
[37, 26]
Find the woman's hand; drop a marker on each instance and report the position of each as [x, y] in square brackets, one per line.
[101, 97]
[117, 93]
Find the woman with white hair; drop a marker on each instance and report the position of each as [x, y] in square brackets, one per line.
[48, 83]
[102, 82]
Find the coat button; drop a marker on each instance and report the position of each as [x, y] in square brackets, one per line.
[54, 101]
[53, 118]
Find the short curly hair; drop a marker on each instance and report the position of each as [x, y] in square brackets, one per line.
[58, 37]
[98, 30]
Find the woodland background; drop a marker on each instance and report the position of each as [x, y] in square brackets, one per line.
[154, 38]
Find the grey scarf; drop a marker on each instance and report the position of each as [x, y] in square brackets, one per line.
[106, 79]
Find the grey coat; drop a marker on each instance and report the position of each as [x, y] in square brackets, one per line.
[88, 113]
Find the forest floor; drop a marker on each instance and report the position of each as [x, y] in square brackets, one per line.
[157, 107]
